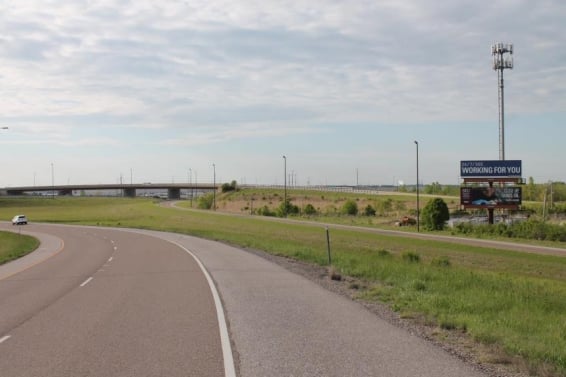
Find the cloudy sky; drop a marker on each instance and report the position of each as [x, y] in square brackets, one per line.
[159, 91]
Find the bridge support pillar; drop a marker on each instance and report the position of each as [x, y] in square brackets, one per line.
[174, 193]
[130, 192]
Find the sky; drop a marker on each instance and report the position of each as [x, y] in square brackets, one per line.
[175, 91]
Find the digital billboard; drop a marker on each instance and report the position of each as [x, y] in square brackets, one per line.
[490, 197]
[491, 169]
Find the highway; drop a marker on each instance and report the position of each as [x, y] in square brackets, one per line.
[147, 311]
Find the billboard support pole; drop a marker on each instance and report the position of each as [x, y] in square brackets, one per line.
[490, 217]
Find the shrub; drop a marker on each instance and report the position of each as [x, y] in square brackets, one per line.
[369, 210]
[441, 262]
[435, 214]
[290, 210]
[411, 257]
[350, 208]
[531, 229]
[205, 201]
[385, 206]
[309, 210]
[383, 253]
[265, 211]
[419, 285]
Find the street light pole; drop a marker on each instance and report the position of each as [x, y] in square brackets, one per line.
[285, 186]
[191, 184]
[418, 204]
[52, 182]
[214, 192]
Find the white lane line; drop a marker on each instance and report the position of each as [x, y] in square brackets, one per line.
[86, 281]
[110, 259]
[2, 340]
[229, 369]
[115, 248]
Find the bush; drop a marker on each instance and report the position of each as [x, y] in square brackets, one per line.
[385, 206]
[205, 201]
[290, 210]
[265, 211]
[369, 211]
[383, 253]
[350, 208]
[411, 257]
[531, 230]
[435, 214]
[441, 262]
[309, 210]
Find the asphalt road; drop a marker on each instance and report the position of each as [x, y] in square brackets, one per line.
[103, 302]
[282, 324]
[132, 319]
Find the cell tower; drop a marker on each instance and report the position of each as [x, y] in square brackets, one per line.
[501, 62]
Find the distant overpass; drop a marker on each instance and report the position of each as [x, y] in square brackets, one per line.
[129, 190]
[174, 189]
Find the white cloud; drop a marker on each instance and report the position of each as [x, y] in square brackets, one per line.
[204, 136]
[207, 72]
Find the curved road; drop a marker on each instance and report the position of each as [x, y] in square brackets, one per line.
[148, 312]
[103, 302]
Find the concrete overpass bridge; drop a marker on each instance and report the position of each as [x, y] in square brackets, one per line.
[128, 190]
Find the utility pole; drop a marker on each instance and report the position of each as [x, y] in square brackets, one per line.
[52, 182]
[214, 184]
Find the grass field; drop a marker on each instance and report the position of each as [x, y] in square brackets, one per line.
[514, 303]
[13, 246]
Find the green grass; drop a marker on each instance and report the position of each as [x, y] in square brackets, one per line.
[509, 300]
[14, 245]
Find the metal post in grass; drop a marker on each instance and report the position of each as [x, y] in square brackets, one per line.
[285, 186]
[418, 204]
[328, 246]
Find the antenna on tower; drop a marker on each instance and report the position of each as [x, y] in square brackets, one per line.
[501, 62]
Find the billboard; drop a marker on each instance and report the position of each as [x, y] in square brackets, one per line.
[491, 197]
[491, 169]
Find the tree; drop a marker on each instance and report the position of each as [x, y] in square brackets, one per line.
[532, 191]
[435, 214]
[433, 188]
[226, 187]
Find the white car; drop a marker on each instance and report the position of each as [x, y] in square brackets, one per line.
[19, 220]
